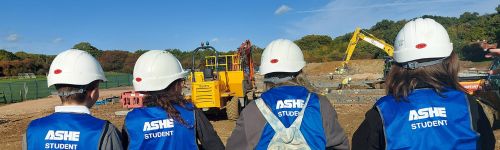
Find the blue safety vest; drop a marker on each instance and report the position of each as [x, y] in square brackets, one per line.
[65, 131]
[428, 121]
[286, 102]
[151, 128]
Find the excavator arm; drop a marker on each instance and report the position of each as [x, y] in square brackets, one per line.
[365, 36]
[244, 54]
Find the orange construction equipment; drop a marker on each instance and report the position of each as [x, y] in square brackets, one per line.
[472, 86]
[132, 99]
[244, 56]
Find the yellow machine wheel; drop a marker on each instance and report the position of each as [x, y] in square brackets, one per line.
[232, 108]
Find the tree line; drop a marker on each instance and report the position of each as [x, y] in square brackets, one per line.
[465, 31]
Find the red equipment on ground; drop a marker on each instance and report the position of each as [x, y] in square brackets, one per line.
[131, 99]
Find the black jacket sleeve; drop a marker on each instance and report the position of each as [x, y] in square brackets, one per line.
[125, 140]
[482, 125]
[205, 133]
[370, 134]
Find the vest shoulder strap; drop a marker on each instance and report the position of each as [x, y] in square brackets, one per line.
[268, 115]
[298, 121]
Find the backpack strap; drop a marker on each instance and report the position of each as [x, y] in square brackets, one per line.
[298, 121]
[275, 123]
[270, 117]
[103, 134]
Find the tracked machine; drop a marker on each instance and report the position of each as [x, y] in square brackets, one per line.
[358, 35]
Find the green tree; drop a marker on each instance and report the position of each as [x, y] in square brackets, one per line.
[86, 46]
[312, 42]
[6, 55]
[140, 52]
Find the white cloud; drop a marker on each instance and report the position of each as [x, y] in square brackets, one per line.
[342, 16]
[214, 40]
[282, 9]
[12, 37]
[57, 40]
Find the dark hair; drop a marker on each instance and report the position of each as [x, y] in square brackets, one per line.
[400, 81]
[77, 97]
[166, 99]
[298, 78]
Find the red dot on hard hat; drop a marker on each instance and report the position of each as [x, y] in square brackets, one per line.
[138, 79]
[274, 61]
[57, 71]
[421, 45]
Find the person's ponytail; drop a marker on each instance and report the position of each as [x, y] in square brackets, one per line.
[167, 98]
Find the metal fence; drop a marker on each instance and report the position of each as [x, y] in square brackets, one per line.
[20, 90]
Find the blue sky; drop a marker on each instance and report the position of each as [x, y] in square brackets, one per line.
[51, 26]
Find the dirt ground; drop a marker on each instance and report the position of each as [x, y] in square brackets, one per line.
[14, 118]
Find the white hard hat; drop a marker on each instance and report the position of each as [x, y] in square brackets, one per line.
[155, 70]
[420, 39]
[75, 67]
[281, 55]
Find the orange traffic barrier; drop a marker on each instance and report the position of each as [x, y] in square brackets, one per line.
[472, 86]
[132, 99]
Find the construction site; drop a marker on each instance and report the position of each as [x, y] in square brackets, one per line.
[351, 103]
[350, 70]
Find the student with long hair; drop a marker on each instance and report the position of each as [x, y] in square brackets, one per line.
[168, 120]
[425, 106]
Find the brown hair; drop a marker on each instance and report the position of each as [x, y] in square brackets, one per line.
[400, 81]
[77, 97]
[298, 78]
[167, 98]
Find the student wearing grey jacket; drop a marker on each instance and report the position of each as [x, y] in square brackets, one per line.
[288, 115]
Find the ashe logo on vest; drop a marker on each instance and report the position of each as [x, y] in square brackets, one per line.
[60, 135]
[63, 135]
[289, 103]
[429, 112]
[157, 125]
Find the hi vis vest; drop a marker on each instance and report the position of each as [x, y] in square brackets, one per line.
[428, 121]
[151, 128]
[65, 131]
[294, 119]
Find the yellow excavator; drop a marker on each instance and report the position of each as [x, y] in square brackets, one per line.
[365, 36]
[358, 35]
